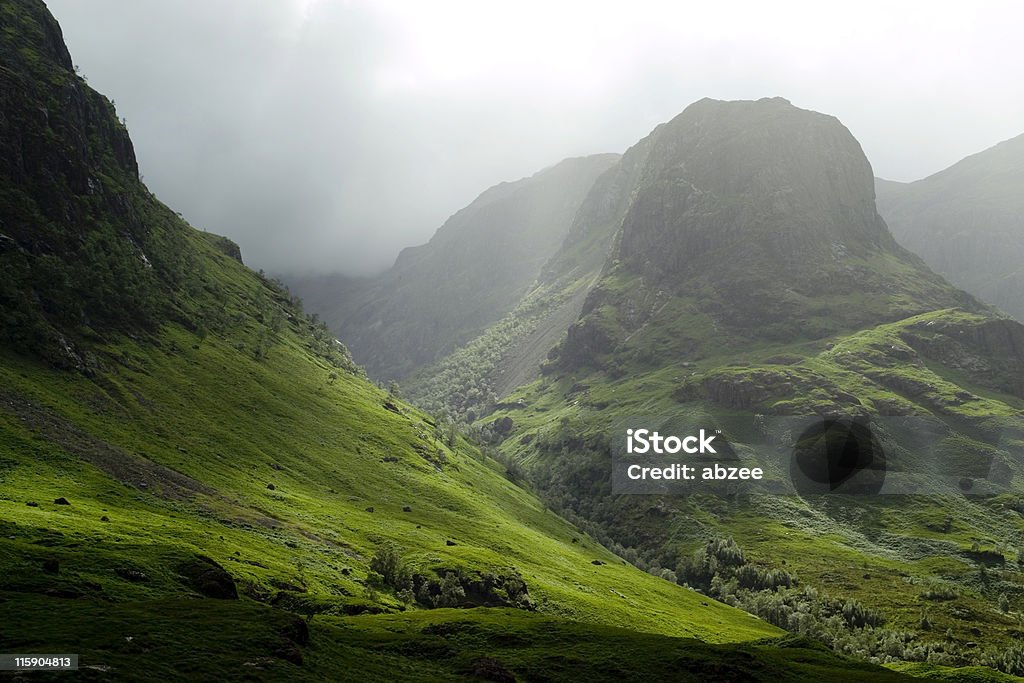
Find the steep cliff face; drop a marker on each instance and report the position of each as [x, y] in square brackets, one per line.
[758, 218]
[85, 249]
[737, 181]
[472, 272]
[967, 222]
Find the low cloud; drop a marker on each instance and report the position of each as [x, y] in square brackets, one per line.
[325, 135]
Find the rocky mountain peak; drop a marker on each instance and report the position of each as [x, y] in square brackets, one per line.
[765, 178]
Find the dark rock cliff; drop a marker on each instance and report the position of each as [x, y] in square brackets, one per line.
[762, 180]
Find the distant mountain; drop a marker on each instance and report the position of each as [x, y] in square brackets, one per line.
[473, 271]
[510, 352]
[967, 222]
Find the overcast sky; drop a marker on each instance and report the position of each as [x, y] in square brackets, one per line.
[325, 135]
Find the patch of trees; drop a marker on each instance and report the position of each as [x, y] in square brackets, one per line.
[720, 567]
[389, 571]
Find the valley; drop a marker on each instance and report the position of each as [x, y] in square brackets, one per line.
[199, 480]
[738, 282]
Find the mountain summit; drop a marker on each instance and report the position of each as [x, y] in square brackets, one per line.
[733, 182]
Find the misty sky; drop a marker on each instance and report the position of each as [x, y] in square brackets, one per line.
[325, 135]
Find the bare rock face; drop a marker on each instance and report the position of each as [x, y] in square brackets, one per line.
[764, 180]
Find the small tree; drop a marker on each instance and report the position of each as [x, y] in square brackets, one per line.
[394, 390]
[452, 592]
[390, 565]
[1004, 603]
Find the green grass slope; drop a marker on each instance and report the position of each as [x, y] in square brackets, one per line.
[178, 452]
[934, 568]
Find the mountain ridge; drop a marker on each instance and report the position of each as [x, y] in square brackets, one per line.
[967, 222]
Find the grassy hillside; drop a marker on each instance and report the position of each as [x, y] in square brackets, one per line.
[933, 570]
[195, 432]
[291, 474]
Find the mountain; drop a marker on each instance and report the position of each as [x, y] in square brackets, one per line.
[967, 222]
[196, 482]
[757, 221]
[473, 271]
[747, 276]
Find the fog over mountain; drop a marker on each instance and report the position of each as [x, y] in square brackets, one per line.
[325, 135]
[967, 222]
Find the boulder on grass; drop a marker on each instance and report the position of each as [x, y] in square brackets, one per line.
[209, 578]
